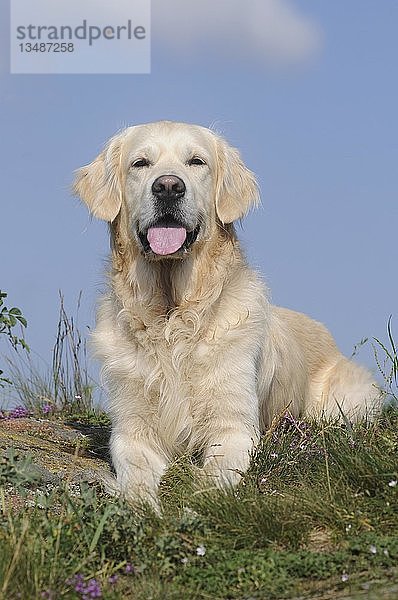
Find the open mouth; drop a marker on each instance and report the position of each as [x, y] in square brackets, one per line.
[167, 237]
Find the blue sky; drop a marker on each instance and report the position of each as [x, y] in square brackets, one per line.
[306, 90]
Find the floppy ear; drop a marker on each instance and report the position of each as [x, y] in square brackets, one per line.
[236, 188]
[99, 184]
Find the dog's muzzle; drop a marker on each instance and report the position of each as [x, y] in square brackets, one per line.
[169, 234]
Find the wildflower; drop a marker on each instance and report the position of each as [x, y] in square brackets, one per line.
[113, 579]
[91, 589]
[129, 568]
[184, 560]
[348, 527]
[274, 455]
[19, 412]
[46, 409]
[201, 550]
[344, 577]
[78, 582]
[393, 483]
[373, 549]
[386, 552]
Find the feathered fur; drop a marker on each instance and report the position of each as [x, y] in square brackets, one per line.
[194, 356]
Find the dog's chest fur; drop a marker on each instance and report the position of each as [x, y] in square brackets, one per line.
[162, 367]
[161, 363]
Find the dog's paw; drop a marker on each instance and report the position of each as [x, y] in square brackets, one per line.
[134, 493]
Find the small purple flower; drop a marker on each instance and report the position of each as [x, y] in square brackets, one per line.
[113, 579]
[47, 408]
[129, 568]
[91, 589]
[19, 412]
[78, 582]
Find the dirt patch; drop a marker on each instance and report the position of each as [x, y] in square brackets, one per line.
[59, 451]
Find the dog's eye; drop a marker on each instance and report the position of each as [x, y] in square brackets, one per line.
[196, 161]
[140, 162]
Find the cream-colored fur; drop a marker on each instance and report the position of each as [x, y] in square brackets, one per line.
[194, 357]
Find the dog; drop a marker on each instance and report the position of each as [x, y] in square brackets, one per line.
[195, 358]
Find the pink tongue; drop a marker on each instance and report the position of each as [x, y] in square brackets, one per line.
[166, 240]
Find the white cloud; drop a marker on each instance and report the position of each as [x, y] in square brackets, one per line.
[272, 32]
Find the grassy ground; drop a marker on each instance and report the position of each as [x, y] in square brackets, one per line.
[315, 516]
[317, 512]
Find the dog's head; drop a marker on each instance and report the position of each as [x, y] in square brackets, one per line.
[173, 182]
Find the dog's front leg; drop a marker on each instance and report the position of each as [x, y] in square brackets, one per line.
[227, 410]
[139, 464]
[230, 425]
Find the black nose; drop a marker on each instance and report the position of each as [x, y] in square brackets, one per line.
[168, 187]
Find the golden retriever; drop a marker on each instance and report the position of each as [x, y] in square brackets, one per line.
[194, 356]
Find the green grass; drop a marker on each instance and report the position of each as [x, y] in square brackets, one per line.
[66, 389]
[314, 517]
[292, 526]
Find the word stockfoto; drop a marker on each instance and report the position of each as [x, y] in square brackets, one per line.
[81, 32]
